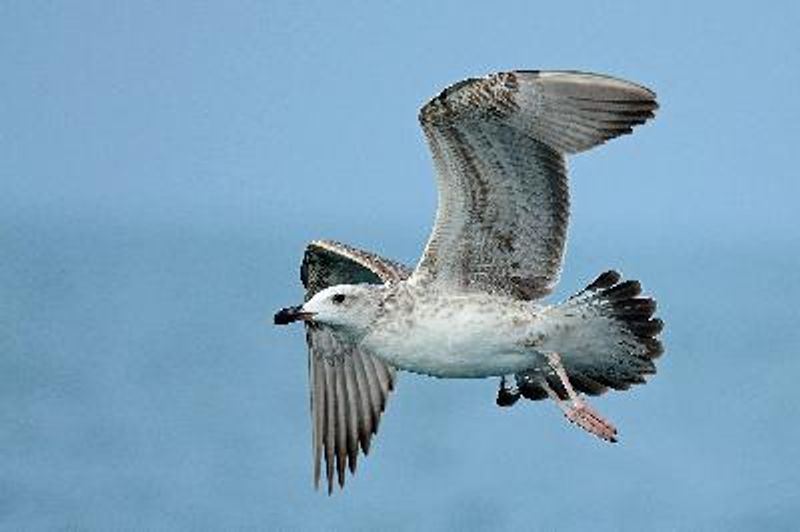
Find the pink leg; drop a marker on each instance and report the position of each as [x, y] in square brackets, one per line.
[575, 408]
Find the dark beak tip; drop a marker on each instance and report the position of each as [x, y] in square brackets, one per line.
[285, 316]
[290, 314]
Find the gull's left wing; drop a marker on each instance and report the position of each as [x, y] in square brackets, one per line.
[349, 386]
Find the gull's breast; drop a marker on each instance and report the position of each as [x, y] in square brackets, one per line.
[458, 336]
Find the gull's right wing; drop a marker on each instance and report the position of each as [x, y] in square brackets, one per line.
[349, 386]
[499, 144]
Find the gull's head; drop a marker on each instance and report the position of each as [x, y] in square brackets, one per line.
[346, 306]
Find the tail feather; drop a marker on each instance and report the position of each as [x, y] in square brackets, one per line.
[607, 337]
[622, 301]
[623, 291]
[604, 280]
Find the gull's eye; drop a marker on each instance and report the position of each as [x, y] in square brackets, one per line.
[338, 298]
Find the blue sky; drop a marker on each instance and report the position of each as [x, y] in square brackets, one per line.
[163, 166]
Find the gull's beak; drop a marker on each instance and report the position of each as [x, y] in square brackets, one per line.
[290, 314]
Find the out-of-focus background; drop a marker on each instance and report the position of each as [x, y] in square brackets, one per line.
[162, 166]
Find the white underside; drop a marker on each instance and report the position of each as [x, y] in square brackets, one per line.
[459, 338]
[467, 336]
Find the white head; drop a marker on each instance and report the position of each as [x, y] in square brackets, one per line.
[350, 307]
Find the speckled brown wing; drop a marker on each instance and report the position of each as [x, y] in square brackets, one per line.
[349, 386]
[499, 145]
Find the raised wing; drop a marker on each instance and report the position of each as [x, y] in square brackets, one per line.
[349, 386]
[498, 145]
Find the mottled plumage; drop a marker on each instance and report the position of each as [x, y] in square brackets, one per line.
[498, 144]
[471, 307]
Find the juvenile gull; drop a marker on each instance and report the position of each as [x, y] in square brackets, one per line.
[471, 307]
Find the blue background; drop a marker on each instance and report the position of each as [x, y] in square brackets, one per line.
[163, 166]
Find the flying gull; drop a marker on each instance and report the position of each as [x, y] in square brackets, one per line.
[472, 306]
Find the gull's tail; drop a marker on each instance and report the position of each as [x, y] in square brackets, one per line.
[606, 335]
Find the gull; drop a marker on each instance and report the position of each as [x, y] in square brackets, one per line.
[472, 307]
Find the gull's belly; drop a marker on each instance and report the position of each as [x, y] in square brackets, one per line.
[460, 339]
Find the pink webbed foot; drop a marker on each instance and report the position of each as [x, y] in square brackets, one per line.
[589, 420]
[575, 409]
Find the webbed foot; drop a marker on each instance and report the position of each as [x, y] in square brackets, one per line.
[575, 409]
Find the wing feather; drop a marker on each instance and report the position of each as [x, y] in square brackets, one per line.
[374, 392]
[352, 401]
[366, 421]
[318, 408]
[329, 430]
[342, 452]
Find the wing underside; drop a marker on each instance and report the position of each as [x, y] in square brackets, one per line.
[498, 145]
[349, 387]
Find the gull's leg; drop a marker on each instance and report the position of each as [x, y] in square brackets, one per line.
[506, 395]
[575, 408]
